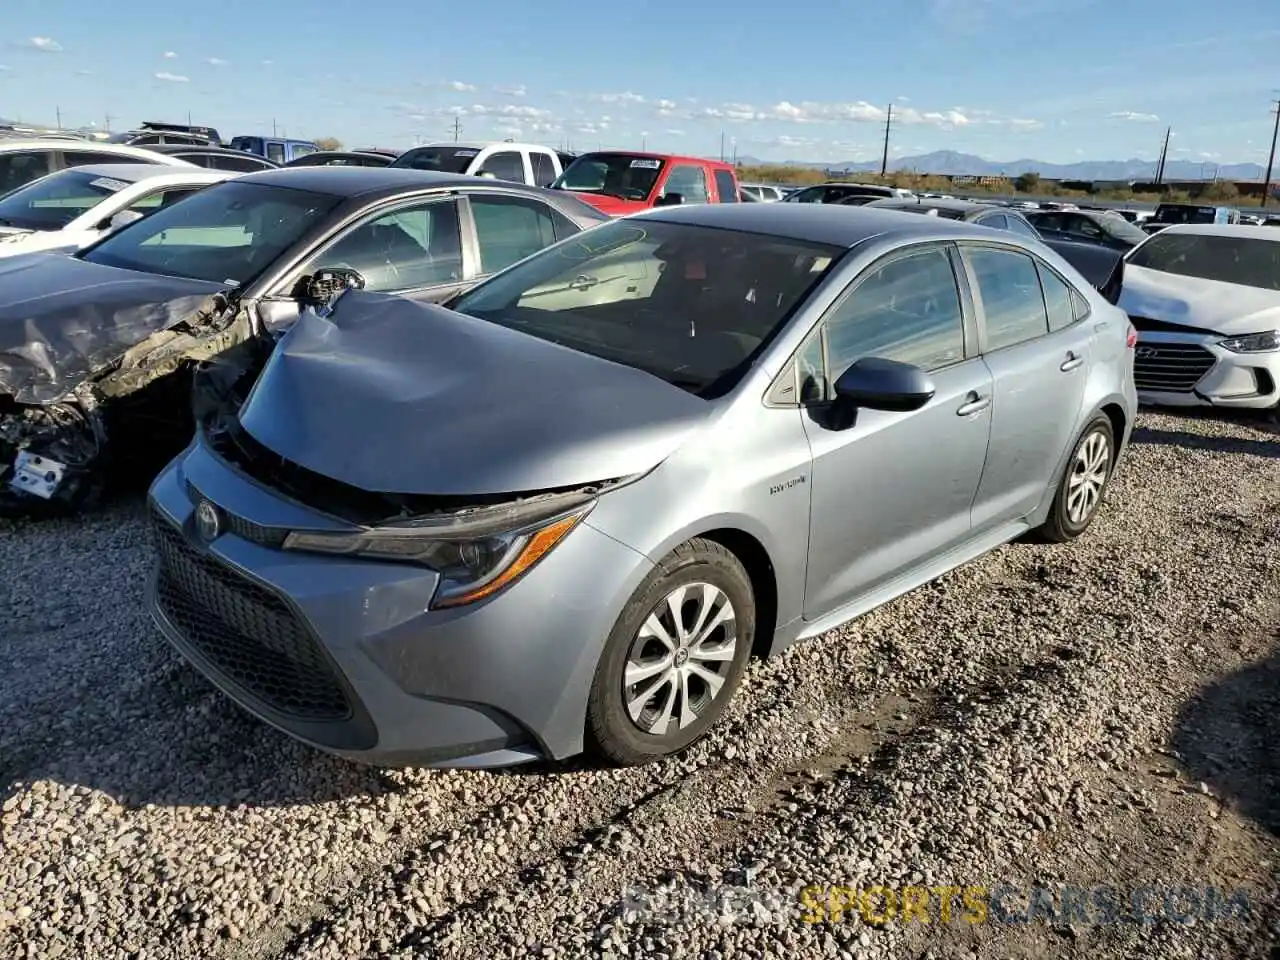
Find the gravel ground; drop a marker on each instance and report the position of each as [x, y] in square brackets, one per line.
[1106, 712]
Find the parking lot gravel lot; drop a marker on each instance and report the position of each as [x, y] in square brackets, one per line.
[1106, 712]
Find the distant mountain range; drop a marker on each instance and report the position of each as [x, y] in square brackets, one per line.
[956, 164]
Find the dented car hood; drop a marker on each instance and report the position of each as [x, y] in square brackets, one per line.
[63, 319]
[394, 396]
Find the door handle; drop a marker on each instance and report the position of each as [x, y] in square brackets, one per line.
[583, 283]
[973, 404]
[1071, 363]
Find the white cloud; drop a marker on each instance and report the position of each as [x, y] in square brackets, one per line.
[903, 99]
[169, 55]
[216, 62]
[1133, 116]
[514, 90]
[597, 126]
[517, 110]
[168, 77]
[5, 68]
[509, 130]
[627, 97]
[674, 133]
[84, 73]
[459, 87]
[44, 44]
[267, 63]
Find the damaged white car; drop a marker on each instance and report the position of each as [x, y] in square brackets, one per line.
[95, 348]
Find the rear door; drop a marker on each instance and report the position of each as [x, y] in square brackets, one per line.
[20, 167]
[727, 187]
[1038, 367]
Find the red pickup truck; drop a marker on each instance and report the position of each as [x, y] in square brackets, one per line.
[622, 182]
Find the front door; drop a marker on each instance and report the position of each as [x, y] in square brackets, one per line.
[893, 489]
[1038, 353]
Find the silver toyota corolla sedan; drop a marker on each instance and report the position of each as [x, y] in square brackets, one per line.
[564, 514]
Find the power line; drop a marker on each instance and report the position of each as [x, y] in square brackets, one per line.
[884, 158]
[1271, 158]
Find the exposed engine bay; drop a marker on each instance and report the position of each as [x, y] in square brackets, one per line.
[60, 437]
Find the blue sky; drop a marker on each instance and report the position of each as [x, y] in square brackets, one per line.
[1057, 80]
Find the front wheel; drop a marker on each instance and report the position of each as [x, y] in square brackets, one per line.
[1083, 484]
[675, 656]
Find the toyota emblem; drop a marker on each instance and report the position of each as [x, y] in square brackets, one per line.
[1146, 353]
[208, 521]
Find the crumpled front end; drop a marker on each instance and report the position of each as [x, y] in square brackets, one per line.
[132, 408]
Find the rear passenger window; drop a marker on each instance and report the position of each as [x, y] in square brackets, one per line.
[505, 165]
[907, 310]
[275, 152]
[509, 229]
[1012, 304]
[544, 171]
[727, 187]
[1058, 299]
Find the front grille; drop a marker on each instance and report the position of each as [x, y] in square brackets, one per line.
[244, 529]
[1152, 325]
[245, 631]
[1170, 367]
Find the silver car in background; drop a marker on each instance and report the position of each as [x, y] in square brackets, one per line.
[565, 514]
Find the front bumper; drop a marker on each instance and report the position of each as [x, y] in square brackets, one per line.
[344, 655]
[1193, 370]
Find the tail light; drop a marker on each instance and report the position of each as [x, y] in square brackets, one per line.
[1131, 337]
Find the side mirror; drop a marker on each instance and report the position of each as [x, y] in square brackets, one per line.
[879, 384]
[669, 200]
[122, 219]
[327, 283]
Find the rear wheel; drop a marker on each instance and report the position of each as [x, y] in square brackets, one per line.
[675, 656]
[1083, 484]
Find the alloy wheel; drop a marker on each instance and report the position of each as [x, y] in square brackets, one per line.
[680, 658]
[1089, 472]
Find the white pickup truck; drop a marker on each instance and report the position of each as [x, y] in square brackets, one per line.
[529, 163]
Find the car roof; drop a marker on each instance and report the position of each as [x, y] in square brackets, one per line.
[479, 145]
[97, 146]
[201, 149]
[1223, 230]
[362, 181]
[675, 157]
[910, 203]
[135, 172]
[834, 224]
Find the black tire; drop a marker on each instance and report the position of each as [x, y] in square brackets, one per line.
[610, 731]
[1059, 527]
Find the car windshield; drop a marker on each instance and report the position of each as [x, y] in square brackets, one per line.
[1120, 228]
[626, 176]
[692, 305]
[228, 233]
[52, 202]
[439, 159]
[1247, 261]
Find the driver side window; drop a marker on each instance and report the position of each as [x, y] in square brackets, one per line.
[906, 309]
[405, 249]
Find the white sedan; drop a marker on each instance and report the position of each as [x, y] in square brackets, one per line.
[1205, 299]
[68, 210]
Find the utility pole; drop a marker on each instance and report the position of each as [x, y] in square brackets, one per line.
[722, 146]
[273, 126]
[107, 124]
[58, 112]
[457, 127]
[1271, 158]
[884, 158]
[1164, 154]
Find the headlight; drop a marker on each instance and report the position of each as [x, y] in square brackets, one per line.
[1253, 343]
[476, 554]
